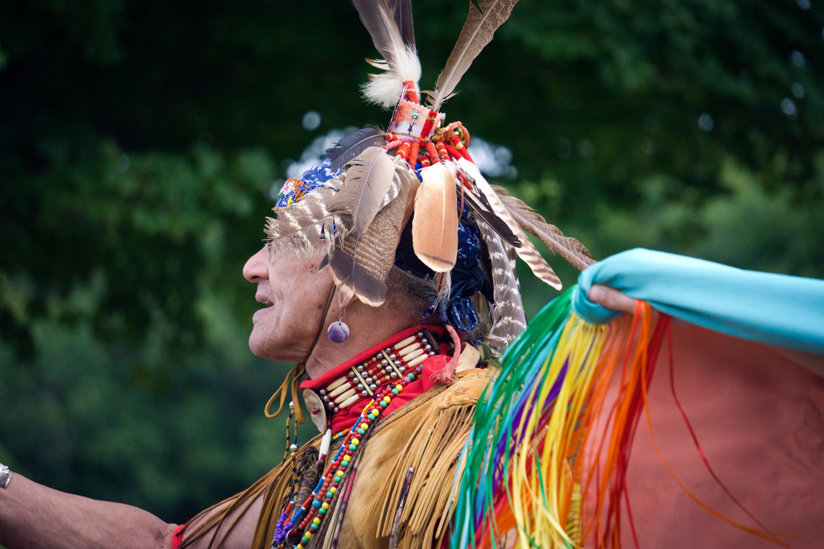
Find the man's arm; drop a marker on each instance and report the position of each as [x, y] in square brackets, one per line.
[33, 516]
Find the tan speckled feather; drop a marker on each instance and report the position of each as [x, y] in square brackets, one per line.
[308, 223]
[508, 318]
[531, 221]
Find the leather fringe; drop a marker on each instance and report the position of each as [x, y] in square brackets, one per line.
[212, 520]
[277, 491]
[292, 381]
[434, 450]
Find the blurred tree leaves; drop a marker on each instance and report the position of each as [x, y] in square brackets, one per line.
[139, 142]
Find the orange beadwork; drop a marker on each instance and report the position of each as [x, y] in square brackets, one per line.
[429, 124]
[441, 148]
[413, 152]
[409, 91]
[403, 150]
[393, 145]
[459, 137]
[453, 153]
[459, 130]
[432, 153]
[459, 148]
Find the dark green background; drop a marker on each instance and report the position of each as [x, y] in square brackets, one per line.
[139, 142]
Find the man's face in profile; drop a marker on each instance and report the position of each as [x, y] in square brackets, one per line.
[293, 293]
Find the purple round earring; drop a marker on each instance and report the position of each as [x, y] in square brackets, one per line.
[338, 331]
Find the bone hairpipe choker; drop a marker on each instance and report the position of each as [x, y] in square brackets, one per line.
[389, 364]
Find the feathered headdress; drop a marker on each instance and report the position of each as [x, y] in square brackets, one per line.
[464, 233]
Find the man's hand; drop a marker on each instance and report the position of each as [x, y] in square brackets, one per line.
[611, 299]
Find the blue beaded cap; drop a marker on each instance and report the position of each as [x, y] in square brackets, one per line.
[296, 188]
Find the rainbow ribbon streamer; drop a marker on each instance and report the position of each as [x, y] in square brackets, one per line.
[551, 437]
[525, 473]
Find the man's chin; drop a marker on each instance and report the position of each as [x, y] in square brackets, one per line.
[265, 347]
[259, 346]
[254, 349]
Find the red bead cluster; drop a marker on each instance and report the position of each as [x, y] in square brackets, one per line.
[447, 144]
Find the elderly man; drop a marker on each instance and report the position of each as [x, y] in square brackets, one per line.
[387, 266]
[294, 294]
[413, 412]
[393, 379]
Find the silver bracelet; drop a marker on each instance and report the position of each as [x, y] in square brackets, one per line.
[5, 476]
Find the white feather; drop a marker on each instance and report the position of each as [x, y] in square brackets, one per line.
[385, 88]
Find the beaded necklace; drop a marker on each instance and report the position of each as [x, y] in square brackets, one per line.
[363, 379]
[383, 376]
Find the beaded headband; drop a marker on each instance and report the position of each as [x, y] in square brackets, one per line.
[412, 197]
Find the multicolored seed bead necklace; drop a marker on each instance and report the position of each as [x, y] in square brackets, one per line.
[382, 377]
[309, 516]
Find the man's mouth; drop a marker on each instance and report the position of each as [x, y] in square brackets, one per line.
[261, 299]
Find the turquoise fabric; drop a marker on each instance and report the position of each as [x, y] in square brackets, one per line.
[776, 309]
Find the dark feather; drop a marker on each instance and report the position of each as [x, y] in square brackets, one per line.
[526, 251]
[480, 205]
[380, 24]
[353, 144]
[402, 14]
[367, 181]
[476, 33]
[531, 221]
[307, 473]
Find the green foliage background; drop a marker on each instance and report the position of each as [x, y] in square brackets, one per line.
[139, 142]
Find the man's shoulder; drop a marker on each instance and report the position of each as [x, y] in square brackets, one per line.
[464, 391]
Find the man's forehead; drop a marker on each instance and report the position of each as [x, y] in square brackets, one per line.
[289, 258]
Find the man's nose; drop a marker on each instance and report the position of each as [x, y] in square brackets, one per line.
[257, 266]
